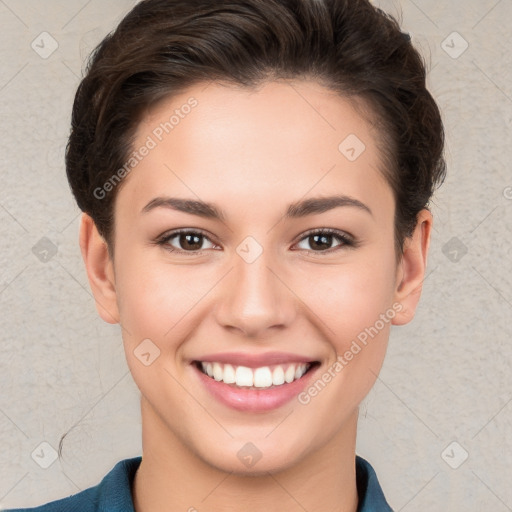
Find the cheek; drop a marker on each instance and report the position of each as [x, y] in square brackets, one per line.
[154, 301]
[161, 302]
[356, 312]
[149, 296]
[364, 325]
[349, 299]
[142, 280]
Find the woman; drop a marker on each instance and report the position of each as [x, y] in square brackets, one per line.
[255, 178]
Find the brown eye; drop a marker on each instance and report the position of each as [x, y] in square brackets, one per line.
[187, 241]
[321, 240]
[190, 241]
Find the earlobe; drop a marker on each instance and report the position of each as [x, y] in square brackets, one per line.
[100, 270]
[412, 269]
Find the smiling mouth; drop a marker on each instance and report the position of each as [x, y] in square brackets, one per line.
[263, 377]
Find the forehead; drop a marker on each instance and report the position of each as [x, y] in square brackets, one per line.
[282, 140]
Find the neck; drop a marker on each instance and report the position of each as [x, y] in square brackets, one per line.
[173, 477]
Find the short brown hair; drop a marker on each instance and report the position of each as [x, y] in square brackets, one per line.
[162, 47]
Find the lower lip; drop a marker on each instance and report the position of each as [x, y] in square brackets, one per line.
[254, 400]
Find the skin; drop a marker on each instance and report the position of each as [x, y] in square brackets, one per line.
[252, 153]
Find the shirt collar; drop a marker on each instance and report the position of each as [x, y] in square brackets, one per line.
[371, 496]
[114, 491]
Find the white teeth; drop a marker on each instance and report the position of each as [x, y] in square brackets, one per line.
[244, 376]
[262, 377]
[289, 376]
[217, 371]
[229, 376]
[299, 372]
[278, 376]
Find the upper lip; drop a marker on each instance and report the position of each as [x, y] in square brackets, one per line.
[255, 360]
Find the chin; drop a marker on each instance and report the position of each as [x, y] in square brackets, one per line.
[258, 458]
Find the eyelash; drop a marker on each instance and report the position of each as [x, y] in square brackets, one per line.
[347, 241]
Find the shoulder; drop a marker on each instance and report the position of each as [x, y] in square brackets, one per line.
[112, 494]
[371, 496]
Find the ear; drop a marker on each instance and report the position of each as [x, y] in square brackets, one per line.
[411, 272]
[100, 270]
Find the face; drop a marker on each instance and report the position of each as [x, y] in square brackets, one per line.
[265, 274]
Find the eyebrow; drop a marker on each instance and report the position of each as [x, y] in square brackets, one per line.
[295, 210]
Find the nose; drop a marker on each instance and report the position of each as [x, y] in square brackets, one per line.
[256, 298]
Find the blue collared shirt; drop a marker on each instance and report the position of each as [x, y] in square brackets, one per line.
[113, 493]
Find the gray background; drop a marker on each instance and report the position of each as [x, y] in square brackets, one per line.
[447, 375]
